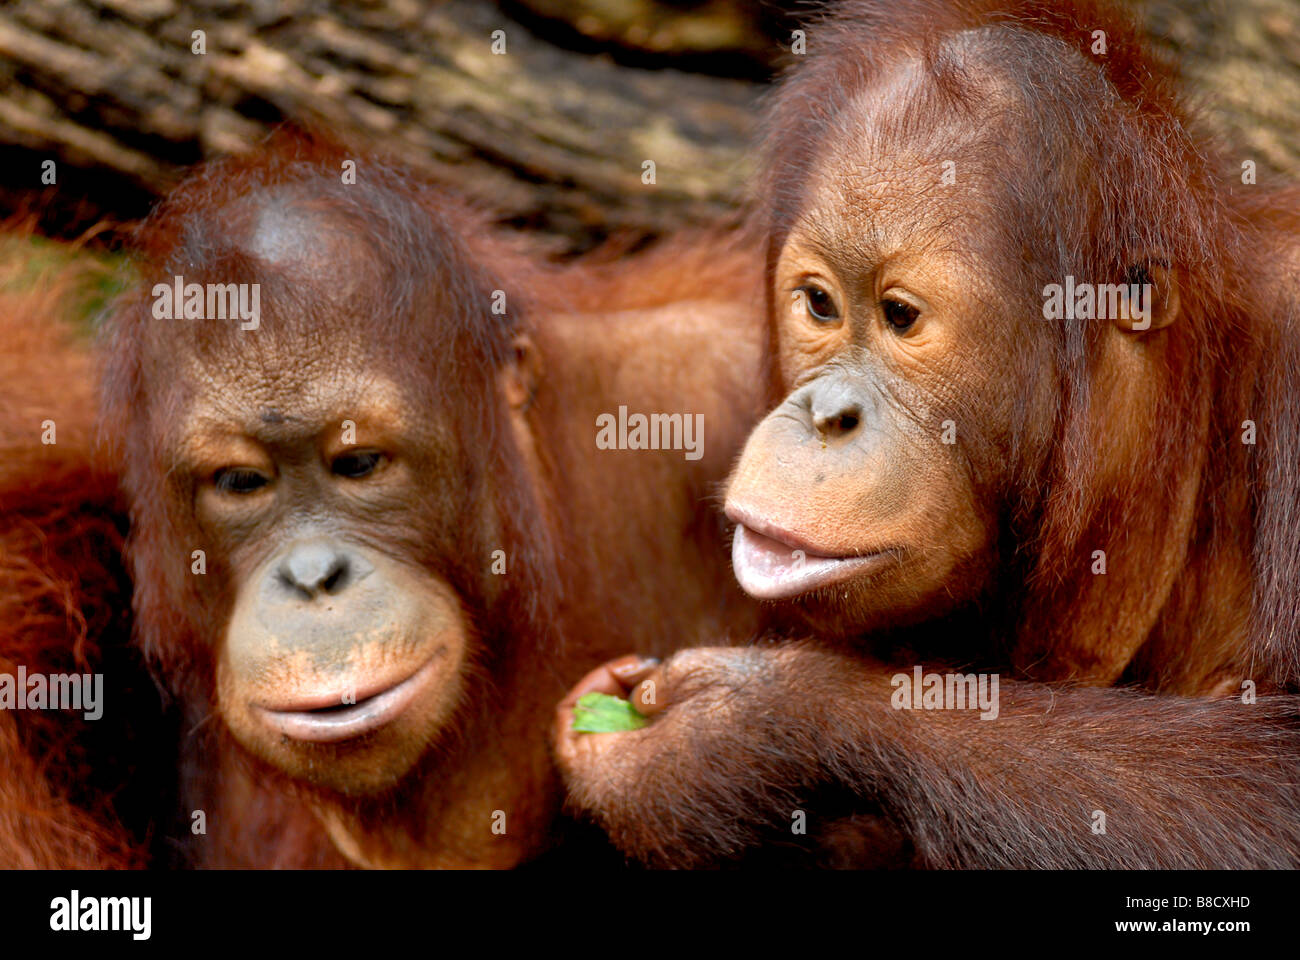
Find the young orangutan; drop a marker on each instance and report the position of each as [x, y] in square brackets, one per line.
[1094, 502]
[375, 532]
[393, 486]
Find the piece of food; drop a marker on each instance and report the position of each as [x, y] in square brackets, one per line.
[601, 713]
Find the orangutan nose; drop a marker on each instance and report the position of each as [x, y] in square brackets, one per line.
[316, 567]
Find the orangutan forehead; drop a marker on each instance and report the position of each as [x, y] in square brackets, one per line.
[294, 405]
[904, 162]
[309, 241]
[306, 241]
[224, 319]
[905, 119]
[967, 101]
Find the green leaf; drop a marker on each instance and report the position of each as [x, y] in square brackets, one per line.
[601, 713]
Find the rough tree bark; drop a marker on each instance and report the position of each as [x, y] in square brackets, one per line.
[554, 138]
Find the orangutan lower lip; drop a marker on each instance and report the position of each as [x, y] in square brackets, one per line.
[770, 569]
[327, 719]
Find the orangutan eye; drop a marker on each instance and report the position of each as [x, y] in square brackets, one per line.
[357, 465]
[899, 315]
[239, 480]
[821, 306]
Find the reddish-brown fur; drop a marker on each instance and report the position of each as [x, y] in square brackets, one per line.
[1227, 361]
[606, 547]
[64, 599]
[1200, 530]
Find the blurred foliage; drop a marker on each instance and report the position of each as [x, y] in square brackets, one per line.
[94, 276]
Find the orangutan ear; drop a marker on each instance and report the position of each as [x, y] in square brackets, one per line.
[520, 376]
[1155, 305]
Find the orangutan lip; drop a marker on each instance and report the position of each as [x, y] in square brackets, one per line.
[744, 517]
[326, 719]
[769, 569]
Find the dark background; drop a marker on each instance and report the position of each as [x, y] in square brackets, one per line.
[552, 134]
